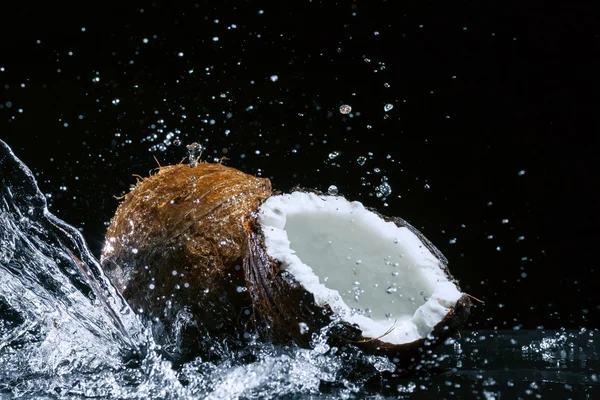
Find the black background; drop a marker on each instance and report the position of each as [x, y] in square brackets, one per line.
[479, 93]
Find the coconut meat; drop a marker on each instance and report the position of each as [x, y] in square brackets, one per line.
[370, 272]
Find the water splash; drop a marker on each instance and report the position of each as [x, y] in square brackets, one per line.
[63, 314]
[65, 332]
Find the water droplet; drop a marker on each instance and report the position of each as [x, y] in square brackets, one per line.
[332, 190]
[177, 142]
[361, 160]
[521, 172]
[274, 78]
[334, 154]
[388, 107]
[303, 328]
[194, 151]
[427, 186]
[383, 190]
[345, 109]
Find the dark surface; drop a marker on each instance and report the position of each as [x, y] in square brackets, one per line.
[508, 364]
[479, 94]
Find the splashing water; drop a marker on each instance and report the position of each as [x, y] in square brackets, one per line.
[65, 332]
[194, 152]
[58, 313]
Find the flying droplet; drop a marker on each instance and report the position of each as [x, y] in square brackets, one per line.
[332, 190]
[361, 160]
[388, 107]
[345, 109]
[303, 328]
[334, 155]
[194, 151]
[383, 190]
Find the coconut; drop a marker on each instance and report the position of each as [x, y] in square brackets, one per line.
[211, 254]
[175, 250]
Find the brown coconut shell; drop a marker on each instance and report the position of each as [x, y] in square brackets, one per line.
[283, 304]
[193, 235]
[175, 250]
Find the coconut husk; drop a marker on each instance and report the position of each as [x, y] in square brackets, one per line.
[186, 251]
[175, 249]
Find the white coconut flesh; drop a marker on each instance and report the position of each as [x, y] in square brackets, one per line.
[370, 272]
